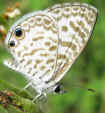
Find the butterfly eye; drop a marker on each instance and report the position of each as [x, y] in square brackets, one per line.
[19, 33]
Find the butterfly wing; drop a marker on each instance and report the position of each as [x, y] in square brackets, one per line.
[43, 52]
[46, 42]
[75, 23]
[36, 52]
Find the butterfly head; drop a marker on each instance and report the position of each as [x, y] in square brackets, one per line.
[14, 38]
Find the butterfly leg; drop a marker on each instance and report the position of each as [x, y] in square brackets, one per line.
[40, 97]
[12, 64]
[36, 97]
[28, 85]
[43, 97]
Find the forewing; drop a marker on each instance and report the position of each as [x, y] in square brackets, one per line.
[75, 23]
[37, 51]
[44, 47]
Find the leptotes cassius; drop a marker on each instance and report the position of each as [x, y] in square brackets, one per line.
[45, 44]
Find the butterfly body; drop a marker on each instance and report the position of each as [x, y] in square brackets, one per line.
[46, 43]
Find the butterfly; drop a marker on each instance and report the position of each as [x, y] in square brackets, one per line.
[45, 44]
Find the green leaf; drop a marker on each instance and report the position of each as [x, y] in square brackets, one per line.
[17, 102]
[2, 21]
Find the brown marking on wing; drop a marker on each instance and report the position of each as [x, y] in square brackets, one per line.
[42, 67]
[47, 43]
[64, 28]
[38, 38]
[77, 29]
[39, 61]
[53, 48]
[81, 23]
[44, 54]
[33, 52]
[50, 61]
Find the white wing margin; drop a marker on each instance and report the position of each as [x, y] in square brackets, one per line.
[75, 23]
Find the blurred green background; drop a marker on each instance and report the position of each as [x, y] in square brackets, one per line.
[88, 71]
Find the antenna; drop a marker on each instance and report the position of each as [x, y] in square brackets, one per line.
[60, 89]
[81, 87]
[88, 89]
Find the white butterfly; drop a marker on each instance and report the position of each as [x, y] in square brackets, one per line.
[45, 44]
